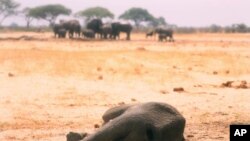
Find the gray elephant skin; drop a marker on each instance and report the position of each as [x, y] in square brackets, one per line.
[88, 33]
[95, 25]
[119, 27]
[59, 31]
[72, 26]
[106, 31]
[168, 33]
[151, 121]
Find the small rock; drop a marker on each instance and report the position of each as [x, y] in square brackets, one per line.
[11, 74]
[215, 72]
[133, 99]
[180, 89]
[97, 126]
[100, 77]
[242, 85]
[121, 103]
[190, 136]
[227, 71]
[141, 49]
[99, 69]
[163, 92]
[227, 84]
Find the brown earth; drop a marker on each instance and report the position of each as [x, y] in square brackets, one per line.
[49, 86]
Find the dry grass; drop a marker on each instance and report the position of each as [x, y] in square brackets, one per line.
[52, 86]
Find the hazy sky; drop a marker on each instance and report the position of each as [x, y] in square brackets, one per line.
[180, 12]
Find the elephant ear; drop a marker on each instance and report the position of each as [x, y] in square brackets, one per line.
[114, 113]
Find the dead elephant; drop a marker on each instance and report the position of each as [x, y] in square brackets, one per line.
[151, 121]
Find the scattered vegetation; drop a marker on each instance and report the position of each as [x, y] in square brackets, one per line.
[142, 19]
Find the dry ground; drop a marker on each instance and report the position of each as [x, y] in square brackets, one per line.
[49, 87]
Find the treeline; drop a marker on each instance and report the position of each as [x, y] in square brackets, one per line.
[51, 12]
[139, 17]
[234, 28]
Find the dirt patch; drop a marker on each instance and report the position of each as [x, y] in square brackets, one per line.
[48, 88]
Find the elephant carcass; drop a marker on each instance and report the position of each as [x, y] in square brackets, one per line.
[151, 121]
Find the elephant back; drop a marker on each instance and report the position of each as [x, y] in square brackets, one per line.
[165, 118]
[70, 24]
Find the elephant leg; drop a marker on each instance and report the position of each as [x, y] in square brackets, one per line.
[128, 35]
[71, 34]
[172, 39]
[115, 130]
[124, 128]
[79, 34]
[73, 136]
[114, 112]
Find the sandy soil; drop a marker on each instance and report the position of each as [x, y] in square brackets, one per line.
[49, 86]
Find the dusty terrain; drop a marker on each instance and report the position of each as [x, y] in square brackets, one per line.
[49, 86]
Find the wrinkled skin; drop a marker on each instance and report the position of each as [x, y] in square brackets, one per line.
[167, 32]
[95, 25]
[72, 26]
[142, 122]
[118, 27]
[88, 33]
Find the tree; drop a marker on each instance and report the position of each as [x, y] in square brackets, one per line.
[95, 12]
[158, 22]
[240, 28]
[27, 16]
[137, 15]
[49, 12]
[7, 8]
[215, 28]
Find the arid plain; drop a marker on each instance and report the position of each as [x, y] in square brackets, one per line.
[50, 86]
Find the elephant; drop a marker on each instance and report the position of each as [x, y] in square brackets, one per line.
[167, 32]
[88, 33]
[106, 31]
[151, 121]
[56, 28]
[72, 26]
[118, 27]
[95, 25]
[149, 34]
[162, 37]
[62, 33]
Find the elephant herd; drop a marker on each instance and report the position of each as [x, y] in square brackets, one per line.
[163, 34]
[93, 28]
[96, 28]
